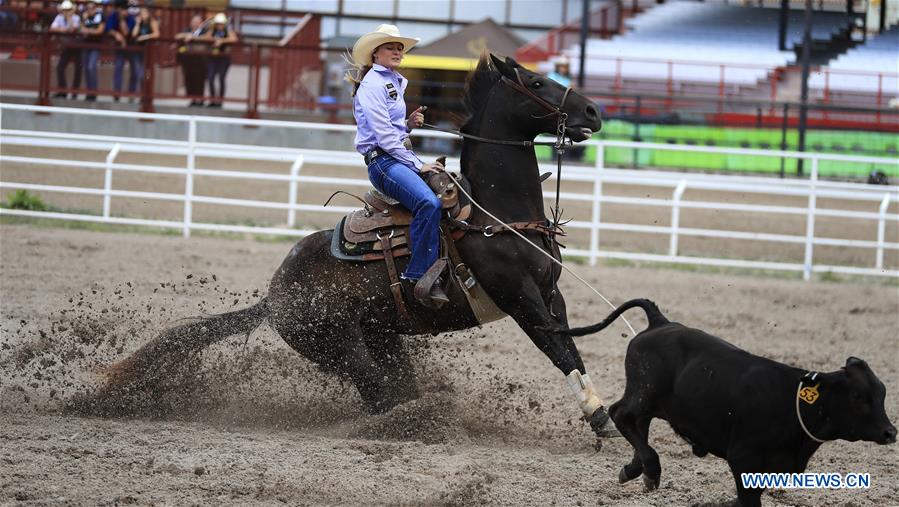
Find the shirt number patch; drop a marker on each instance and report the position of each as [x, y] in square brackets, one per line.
[391, 91]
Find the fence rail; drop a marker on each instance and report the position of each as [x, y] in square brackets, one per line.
[812, 189]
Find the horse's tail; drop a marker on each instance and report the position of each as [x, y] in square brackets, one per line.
[652, 313]
[179, 342]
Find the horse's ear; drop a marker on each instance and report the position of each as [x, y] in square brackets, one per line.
[512, 63]
[503, 67]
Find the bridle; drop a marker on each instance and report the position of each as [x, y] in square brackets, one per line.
[559, 144]
[517, 85]
[562, 116]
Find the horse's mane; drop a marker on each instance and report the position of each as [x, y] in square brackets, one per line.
[477, 88]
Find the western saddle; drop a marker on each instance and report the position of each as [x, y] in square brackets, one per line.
[380, 232]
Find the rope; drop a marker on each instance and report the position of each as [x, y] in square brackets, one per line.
[542, 251]
[799, 416]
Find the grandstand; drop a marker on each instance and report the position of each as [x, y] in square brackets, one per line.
[683, 47]
[864, 74]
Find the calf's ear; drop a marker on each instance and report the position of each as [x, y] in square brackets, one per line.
[854, 361]
[856, 364]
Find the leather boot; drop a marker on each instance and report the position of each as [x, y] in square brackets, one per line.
[433, 297]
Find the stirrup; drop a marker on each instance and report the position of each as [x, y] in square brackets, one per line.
[603, 425]
[428, 290]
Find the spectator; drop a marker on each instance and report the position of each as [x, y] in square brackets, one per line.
[8, 19]
[67, 23]
[193, 63]
[92, 29]
[119, 24]
[562, 72]
[221, 37]
[146, 28]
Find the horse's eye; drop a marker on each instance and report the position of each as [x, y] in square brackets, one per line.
[536, 85]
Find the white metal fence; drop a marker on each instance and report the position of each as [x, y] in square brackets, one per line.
[811, 189]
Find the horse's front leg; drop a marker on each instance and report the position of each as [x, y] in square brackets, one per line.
[535, 319]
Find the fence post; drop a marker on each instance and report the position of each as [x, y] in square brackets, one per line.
[881, 229]
[107, 180]
[810, 221]
[597, 202]
[189, 177]
[292, 198]
[43, 94]
[675, 215]
[148, 86]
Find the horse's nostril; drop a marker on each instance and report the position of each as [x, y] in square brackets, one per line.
[591, 112]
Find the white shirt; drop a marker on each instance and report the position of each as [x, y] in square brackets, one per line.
[60, 22]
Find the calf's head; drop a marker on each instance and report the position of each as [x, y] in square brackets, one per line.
[854, 403]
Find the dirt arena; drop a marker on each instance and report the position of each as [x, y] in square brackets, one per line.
[256, 423]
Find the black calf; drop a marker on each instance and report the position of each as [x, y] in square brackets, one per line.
[758, 414]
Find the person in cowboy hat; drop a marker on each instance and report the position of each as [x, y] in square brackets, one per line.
[562, 72]
[221, 36]
[67, 23]
[381, 138]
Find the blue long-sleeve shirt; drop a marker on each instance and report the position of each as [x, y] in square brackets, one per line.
[381, 115]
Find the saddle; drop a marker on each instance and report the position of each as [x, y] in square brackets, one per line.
[358, 236]
[380, 232]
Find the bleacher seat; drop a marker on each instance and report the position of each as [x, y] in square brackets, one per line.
[700, 38]
[880, 54]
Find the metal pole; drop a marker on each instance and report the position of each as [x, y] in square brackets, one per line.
[782, 24]
[596, 215]
[881, 229]
[107, 180]
[783, 139]
[585, 25]
[810, 219]
[189, 177]
[806, 62]
[637, 138]
[284, 19]
[675, 216]
[292, 193]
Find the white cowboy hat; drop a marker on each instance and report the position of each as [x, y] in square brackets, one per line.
[66, 5]
[220, 19]
[365, 46]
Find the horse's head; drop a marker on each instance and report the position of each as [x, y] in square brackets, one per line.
[535, 103]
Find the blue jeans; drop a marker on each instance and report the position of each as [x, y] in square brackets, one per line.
[217, 67]
[136, 62]
[91, 57]
[405, 185]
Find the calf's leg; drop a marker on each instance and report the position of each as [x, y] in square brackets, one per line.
[744, 459]
[634, 426]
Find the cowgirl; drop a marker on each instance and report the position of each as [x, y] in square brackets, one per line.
[393, 168]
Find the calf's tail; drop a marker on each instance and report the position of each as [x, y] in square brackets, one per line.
[652, 313]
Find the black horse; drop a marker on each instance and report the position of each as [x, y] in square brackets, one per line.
[341, 315]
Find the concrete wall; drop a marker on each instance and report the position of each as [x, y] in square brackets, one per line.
[170, 130]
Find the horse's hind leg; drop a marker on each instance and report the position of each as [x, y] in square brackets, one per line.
[391, 355]
[364, 367]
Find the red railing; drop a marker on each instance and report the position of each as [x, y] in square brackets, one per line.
[604, 22]
[668, 82]
[34, 69]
